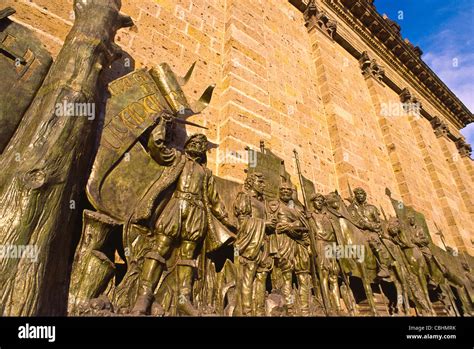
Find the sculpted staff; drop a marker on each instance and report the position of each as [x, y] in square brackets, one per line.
[252, 244]
[184, 219]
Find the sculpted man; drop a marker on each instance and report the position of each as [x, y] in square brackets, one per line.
[328, 266]
[293, 248]
[367, 218]
[252, 244]
[183, 221]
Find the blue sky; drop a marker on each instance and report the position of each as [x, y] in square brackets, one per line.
[444, 30]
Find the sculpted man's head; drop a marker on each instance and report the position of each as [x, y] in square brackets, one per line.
[360, 195]
[394, 226]
[255, 181]
[286, 191]
[318, 201]
[196, 145]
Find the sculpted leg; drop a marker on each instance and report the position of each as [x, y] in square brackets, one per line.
[247, 273]
[424, 286]
[185, 278]
[151, 273]
[260, 287]
[368, 289]
[334, 292]
[287, 289]
[324, 277]
[348, 298]
[304, 290]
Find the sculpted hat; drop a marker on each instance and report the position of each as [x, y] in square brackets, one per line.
[318, 195]
[199, 136]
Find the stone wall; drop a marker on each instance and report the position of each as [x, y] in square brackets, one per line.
[294, 88]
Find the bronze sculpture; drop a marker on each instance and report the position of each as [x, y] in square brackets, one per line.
[412, 269]
[252, 245]
[367, 218]
[56, 152]
[24, 63]
[155, 243]
[350, 234]
[328, 267]
[186, 218]
[293, 249]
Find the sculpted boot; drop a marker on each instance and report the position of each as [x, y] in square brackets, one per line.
[185, 277]
[151, 273]
[185, 306]
[247, 274]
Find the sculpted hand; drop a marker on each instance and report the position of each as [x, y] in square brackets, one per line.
[271, 223]
[228, 224]
[283, 226]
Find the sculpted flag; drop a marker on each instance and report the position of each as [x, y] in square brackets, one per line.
[123, 171]
[271, 166]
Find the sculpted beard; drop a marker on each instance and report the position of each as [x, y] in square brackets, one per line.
[196, 149]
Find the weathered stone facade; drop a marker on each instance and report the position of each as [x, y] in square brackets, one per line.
[330, 78]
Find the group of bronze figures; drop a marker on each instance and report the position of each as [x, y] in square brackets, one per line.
[189, 251]
[164, 236]
[167, 237]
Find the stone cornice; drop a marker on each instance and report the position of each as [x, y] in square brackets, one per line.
[383, 36]
[464, 148]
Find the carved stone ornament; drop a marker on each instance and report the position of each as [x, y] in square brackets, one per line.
[370, 67]
[464, 148]
[411, 104]
[439, 126]
[314, 17]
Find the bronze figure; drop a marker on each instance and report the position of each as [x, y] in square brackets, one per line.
[367, 218]
[252, 245]
[293, 249]
[326, 241]
[185, 218]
